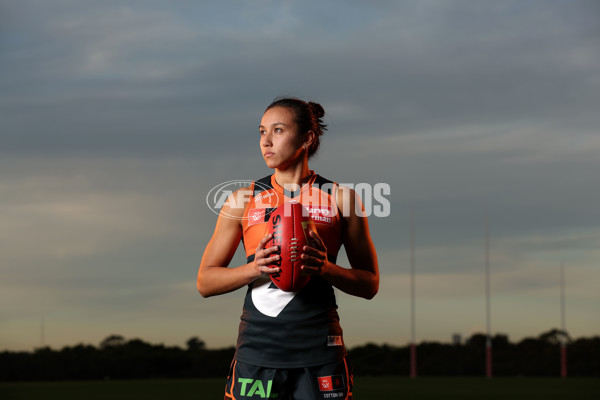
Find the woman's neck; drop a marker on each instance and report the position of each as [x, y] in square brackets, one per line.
[293, 176]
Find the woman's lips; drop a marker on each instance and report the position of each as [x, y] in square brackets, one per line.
[269, 154]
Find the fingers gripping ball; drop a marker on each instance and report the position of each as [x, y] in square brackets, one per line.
[290, 226]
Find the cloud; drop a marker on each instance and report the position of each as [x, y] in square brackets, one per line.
[118, 78]
[116, 119]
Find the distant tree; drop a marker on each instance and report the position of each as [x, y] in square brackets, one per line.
[112, 341]
[372, 359]
[117, 358]
[584, 357]
[473, 359]
[555, 336]
[195, 344]
[503, 356]
[438, 359]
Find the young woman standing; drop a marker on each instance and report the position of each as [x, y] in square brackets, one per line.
[290, 345]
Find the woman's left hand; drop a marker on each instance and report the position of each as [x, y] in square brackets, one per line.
[314, 256]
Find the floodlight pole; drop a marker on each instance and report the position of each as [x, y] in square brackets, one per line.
[43, 332]
[563, 324]
[488, 341]
[413, 348]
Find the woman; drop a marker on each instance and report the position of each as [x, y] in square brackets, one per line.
[290, 345]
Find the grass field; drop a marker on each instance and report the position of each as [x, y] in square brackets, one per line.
[366, 388]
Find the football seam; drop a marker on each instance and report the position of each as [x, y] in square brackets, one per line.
[293, 237]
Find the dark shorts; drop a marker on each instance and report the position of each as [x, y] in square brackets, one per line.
[329, 381]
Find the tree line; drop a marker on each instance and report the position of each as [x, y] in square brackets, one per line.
[118, 358]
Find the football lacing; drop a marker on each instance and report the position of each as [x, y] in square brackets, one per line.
[293, 249]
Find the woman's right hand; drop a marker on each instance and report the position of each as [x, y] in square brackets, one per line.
[265, 257]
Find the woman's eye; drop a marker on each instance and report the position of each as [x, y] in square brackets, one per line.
[278, 130]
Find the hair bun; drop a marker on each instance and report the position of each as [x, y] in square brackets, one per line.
[316, 109]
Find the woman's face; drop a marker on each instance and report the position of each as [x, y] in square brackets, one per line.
[280, 142]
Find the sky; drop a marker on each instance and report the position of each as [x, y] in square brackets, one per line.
[118, 117]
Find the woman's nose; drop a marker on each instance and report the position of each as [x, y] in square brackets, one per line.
[265, 140]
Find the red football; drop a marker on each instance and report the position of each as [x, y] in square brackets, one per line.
[289, 223]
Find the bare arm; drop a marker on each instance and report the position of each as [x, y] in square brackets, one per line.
[362, 279]
[213, 275]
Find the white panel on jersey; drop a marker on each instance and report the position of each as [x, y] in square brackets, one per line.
[267, 300]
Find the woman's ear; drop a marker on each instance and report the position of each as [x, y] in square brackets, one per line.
[308, 141]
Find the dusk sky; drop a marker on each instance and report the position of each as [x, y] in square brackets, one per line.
[118, 117]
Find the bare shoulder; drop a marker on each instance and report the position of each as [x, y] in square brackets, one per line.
[348, 203]
[236, 203]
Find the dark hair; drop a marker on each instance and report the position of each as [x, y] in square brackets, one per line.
[308, 117]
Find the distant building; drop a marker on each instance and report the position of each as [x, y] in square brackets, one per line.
[456, 339]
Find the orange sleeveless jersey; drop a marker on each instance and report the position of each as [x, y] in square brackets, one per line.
[317, 196]
[291, 329]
